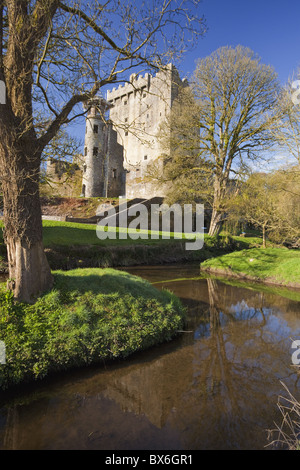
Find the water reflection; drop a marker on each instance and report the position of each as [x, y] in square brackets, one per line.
[215, 387]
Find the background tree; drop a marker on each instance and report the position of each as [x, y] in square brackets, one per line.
[54, 55]
[236, 104]
[63, 147]
[64, 155]
[286, 187]
[270, 202]
[188, 174]
[286, 130]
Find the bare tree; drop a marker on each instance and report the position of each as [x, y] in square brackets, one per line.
[54, 55]
[236, 99]
[286, 130]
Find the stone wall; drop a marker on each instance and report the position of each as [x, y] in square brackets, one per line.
[114, 170]
[140, 184]
[119, 151]
[62, 179]
[103, 172]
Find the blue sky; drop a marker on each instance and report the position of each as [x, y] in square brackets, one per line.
[271, 28]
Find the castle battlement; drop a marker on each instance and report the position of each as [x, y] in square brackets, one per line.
[135, 84]
[117, 155]
[139, 82]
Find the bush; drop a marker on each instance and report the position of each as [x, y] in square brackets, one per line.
[89, 316]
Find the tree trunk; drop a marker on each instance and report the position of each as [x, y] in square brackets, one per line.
[264, 236]
[20, 149]
[29, 271]
[215, 223]
[217, 215]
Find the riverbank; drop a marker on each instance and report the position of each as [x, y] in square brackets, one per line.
[72, 245]
[275, 266]
[94, 314]
[128, 403]
[90, 316]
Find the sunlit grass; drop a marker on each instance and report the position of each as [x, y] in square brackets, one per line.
[70, 233]
[89, 316]
[276, 264]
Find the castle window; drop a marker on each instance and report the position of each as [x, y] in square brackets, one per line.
[145, 157]
[84, 168]
[125, 102]
[114, 173]
[95, 151]
[126, 119]
[144, 95]
[126, 132]
[85, 151]
[95, 129]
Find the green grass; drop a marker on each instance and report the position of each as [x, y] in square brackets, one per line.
[90, 315]
[69, 233]
[277, 265]
[70, 245]
[58, 233]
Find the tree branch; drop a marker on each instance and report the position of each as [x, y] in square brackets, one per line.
[1, 38]
[92, 24]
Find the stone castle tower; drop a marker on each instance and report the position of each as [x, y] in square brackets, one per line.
[118, 150]
[103, 172]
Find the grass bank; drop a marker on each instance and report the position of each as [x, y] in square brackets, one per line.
[274, 265]
[90, 316]
[72, 245]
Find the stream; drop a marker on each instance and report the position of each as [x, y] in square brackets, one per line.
[216, 386]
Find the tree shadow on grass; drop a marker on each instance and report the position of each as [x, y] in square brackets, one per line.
[68, 236]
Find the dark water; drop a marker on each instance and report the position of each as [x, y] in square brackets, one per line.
[215, 387]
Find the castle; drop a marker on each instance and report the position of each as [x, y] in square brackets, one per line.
[121, 136]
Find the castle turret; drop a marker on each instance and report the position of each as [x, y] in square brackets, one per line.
[95, 150]
[103, 156]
